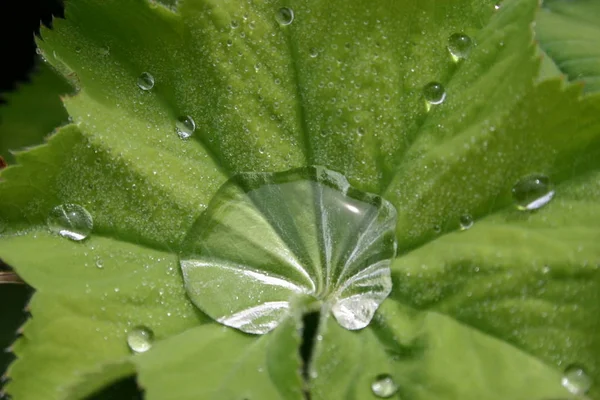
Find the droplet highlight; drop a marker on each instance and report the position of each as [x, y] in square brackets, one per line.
[145, 81]
[285, 16]
[532, 192]
[576, 380]
[71, 221]
[466, 222]
[459, 46]
[185, 127]
[384, 386]
[269, 241]
[140, 339]
[434, 93]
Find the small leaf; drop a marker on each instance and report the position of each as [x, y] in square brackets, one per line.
[569, 32]
[32, 112]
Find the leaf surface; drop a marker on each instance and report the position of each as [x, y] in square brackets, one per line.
[472, 314]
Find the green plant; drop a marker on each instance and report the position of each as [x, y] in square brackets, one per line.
[489, 300]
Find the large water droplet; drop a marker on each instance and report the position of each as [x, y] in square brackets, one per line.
[285, 16]
[532, 192]
[185, 126]
[71, 221]
[576, 380]
[434, 93]
[384, 386]
[140, 339]
[459, 46]
[466, 222]
[271, 240]
[145, 81]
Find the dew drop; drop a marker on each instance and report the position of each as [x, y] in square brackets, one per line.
[99, 263]
[145, 81]
[71, 221]
[185, 127]
[434, 93]
[313, 52]
[104, 51]
[466, 221]
[356, 244]
[285, 16]
[532, 192]
[234, 24]
[576, 380]
[140, 339]
[459, 46]
[384, 386]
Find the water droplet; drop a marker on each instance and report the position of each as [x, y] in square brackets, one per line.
[234, 24]
[532, 192]
[280, 216]
[459, 46]
[466, 221]
[185, 126]
[71, 221]
[145, 81]
[104, 51]
[434, 93]
[576, 380]
[313, 52]
[99, 263]
[140, 339]
[285, 16]
[384, 386]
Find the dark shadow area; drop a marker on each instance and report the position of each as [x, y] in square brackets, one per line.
[309, 333]
[19, 21]
[124, 389]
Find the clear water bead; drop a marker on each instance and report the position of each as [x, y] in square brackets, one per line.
[466, 222]
[185, 126]
[269, 241]
[145, 81]
[434, 93]
[71, 221]
[285, 16]
[532, 192]
[140, 339]
[459, 46]
[576, 380]
[384, 386]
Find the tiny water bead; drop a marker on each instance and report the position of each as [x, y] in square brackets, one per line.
[576, 380]
[466, 222]
[269, 241]
[140, 339]
[145, 81]
[185, 126]
[434, 93]
[459, 46]
[384, 386]
[532, 192]
[71, 221]
[285, 16]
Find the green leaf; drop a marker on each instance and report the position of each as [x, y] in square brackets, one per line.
[340, 86]
[569, 32]
[32, 112]
[529, 279]
[428, 356]
[214, 362]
